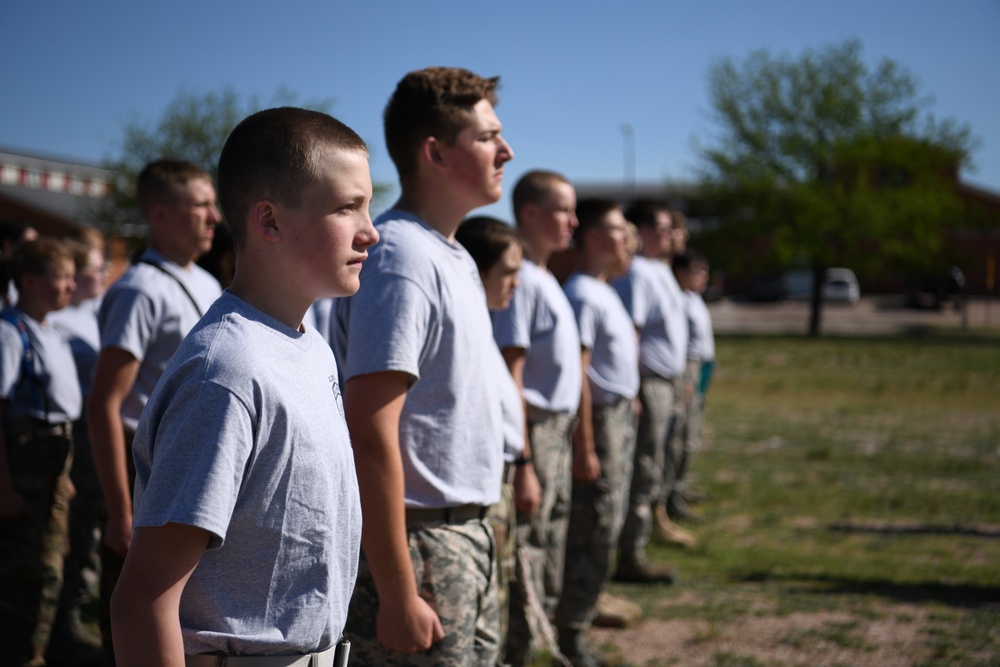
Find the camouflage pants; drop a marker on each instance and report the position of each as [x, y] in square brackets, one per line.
[596, 517]
[675, 459]
[542, 537]
[656, 395]
[455, 570]
[688, 440]
[503, 519]
[33, 545]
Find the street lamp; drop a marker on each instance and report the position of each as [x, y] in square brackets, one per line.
[628, 160]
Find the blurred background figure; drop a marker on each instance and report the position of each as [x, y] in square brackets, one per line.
[39, 400]
[496, 249]
[72, 643]
[12, 232]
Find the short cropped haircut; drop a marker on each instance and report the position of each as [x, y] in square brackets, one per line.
[36, 257]
[274, 154]
[590, 214]
[163, 182]
[12, 231]
[486, 239]
[432, 102]
[533, 188]
[690, 259]
[642, 213]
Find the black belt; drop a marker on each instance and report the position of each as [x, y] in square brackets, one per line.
[26, 429]
[452, 515]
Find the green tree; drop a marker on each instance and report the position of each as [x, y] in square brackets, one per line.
[194, 127]
[821, 160]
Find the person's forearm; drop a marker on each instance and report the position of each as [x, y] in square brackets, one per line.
[107, 437]
[146, 632]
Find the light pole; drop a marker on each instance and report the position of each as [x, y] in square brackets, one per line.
[628, 163]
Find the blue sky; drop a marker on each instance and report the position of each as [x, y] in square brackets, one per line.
[572, 73]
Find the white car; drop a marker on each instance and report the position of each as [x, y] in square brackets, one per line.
[840, 284]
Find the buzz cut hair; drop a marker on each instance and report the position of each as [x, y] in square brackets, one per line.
[274, 154]
[163, 182]
[590, 214]
[534, 187]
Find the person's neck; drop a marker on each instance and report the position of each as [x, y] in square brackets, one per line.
[593, 267]
[439, 211]
[537, 253]
[178, 257]
[272, 297]
[34, 312]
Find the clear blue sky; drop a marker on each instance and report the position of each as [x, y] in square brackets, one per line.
[72, 73]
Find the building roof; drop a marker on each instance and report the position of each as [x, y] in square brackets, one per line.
[52, 187]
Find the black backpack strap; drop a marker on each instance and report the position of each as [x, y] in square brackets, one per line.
[178, 281]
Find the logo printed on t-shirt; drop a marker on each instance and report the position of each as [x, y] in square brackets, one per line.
[336, 394]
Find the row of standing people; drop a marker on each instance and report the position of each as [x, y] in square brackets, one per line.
[417, 365]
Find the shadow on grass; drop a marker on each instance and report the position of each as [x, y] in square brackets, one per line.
[961, 596]
[911, 528]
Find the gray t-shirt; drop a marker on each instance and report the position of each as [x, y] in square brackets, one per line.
[147, 314]
[541, 321]
[647, 291]
[421, 310]
[245, 437]
[702, 343]
[606, 330]
[57, 388]
[78, 324]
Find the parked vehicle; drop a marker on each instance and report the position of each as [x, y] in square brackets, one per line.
[840, 284]
[932, 288]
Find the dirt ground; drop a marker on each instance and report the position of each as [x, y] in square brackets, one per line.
[891, 637]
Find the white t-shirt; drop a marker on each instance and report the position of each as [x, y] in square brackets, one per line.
[78, 324]
[606, 330]
[702, 345]
[421, 310]
[55, 397]
[541, 321]
[147, 314]
[245, 437]
[657, 310]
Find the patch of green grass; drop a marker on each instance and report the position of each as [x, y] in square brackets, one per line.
[844, 474]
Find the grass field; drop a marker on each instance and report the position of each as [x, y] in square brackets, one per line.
[853, 514]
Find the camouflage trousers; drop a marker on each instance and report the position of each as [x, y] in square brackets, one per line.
[596, 517]
[688, 439]
[656, 394]
[542, 538]
[676, 445]
[455, 570]
[503, 518]
[33, 545]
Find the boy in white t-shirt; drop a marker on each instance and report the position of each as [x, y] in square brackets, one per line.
[247, 520]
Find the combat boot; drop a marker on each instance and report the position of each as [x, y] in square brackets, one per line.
[668, 531]
[615, 612]
[641, 571]
[574, 648]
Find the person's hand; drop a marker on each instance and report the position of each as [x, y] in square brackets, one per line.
[408, 625]
[586, 468]
[527, 490]
[118, 534]
[12, 505]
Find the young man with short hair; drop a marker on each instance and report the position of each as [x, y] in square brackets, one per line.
[655, 303]
[610, 361]
[247, 514]
[424, 409]
[143, 318]
[541, 345]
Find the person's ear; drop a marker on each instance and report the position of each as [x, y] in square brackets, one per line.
[432, 152]
[263, 220]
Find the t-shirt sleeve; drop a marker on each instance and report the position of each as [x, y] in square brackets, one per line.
[197, 461]
[512, 327]
[127, 321]
[11, 356]
[389, 327]
[586, 322]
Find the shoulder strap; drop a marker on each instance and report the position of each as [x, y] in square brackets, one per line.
[178, 281]
[28, 361]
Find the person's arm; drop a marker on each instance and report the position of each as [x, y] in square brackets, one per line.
[527, 489]
[373, 404]
[11, 502]
[114, 375]
[586, 466]
[145, 618]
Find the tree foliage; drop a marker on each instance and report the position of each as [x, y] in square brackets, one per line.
[193, 127]
[822, 160]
